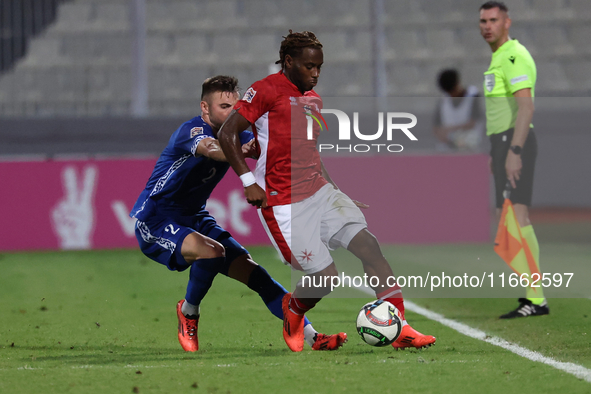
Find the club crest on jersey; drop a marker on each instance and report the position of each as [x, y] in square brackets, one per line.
[249, 95]
[489, 82]
[196, 131]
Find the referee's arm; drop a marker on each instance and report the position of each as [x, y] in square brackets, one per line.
[525, 113]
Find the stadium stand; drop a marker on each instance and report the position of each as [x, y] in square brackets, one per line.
[81, 64]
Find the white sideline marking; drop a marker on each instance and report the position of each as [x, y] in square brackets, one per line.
[571, 368]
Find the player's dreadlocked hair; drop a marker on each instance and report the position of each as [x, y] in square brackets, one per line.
[219, 83]
[294, 44]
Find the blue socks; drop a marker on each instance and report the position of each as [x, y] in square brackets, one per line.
[269, 290]
[203, 272]
[201, 276]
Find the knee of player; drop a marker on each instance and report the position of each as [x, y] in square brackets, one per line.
[365, 244]
[215, 250]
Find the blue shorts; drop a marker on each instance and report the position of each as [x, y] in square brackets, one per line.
[161, 237]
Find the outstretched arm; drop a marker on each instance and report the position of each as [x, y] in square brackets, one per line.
[229, 137]
[210, 147]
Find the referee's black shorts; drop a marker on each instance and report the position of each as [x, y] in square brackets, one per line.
[500, 144]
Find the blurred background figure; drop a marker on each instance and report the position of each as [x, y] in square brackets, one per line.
[458, 122]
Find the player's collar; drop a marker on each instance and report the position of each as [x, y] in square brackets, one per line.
[507, 45]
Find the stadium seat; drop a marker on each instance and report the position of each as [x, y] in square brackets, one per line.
[346, 80]
[579, 37]
[579, 76]
[246, 75]
[444, 11]
[469, 10]
[44, 52]
[188, 40]
[521, 10]
[408, 80]
[338, 46]
[551, 78]
[91, 48]
[352, 13]
[229, 47]
[552, 40]
[111, 16]
[473, 73]
[581, 9]
[192, 49]
[261, 48]
[443, 43]
[221, 15]
[405, 44]
[470, 39]
[109, 84]
[404, 11]
[73, 16]
[67, 84]
[173, 15]
[264, 12]
[552, 10]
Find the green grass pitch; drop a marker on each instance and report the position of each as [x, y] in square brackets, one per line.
[105, 322]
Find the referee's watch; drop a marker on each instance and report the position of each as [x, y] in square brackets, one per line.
[516, 149]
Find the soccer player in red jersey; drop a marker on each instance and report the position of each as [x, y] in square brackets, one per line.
[302, 210]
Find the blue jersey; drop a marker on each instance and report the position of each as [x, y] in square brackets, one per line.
[182, 182]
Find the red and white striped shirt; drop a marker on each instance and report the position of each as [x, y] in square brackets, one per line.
[288, 168]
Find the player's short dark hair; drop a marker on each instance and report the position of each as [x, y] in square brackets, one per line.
[219, 83]
[294, 43]
[494, 4]
[448, 79]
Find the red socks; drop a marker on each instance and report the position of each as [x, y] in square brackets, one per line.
[394, 296]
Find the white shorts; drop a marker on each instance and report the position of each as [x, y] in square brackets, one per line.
[304, 232]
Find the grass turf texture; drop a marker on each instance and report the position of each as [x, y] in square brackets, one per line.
[104, 321]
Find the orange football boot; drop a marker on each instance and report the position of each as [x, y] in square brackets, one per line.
[409, 337]
[329, 342]
[293, 326]
[187, 330]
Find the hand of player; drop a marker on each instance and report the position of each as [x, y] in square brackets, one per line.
[513, 167]
[250, 150]
[360, 204]
[255, 196]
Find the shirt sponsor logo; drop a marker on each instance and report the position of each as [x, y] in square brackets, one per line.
[522, 78]
[274, 193]
[196, 131]
[249, 95]
[489, 82]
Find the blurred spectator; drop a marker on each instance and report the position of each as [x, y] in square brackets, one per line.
[458, 123]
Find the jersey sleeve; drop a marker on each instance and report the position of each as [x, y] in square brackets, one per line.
[258, 100]
[519, 71]
[246, 136]
[190, 136]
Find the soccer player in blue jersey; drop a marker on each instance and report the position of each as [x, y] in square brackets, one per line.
[176, 230]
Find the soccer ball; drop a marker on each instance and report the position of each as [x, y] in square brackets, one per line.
[379, 323]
